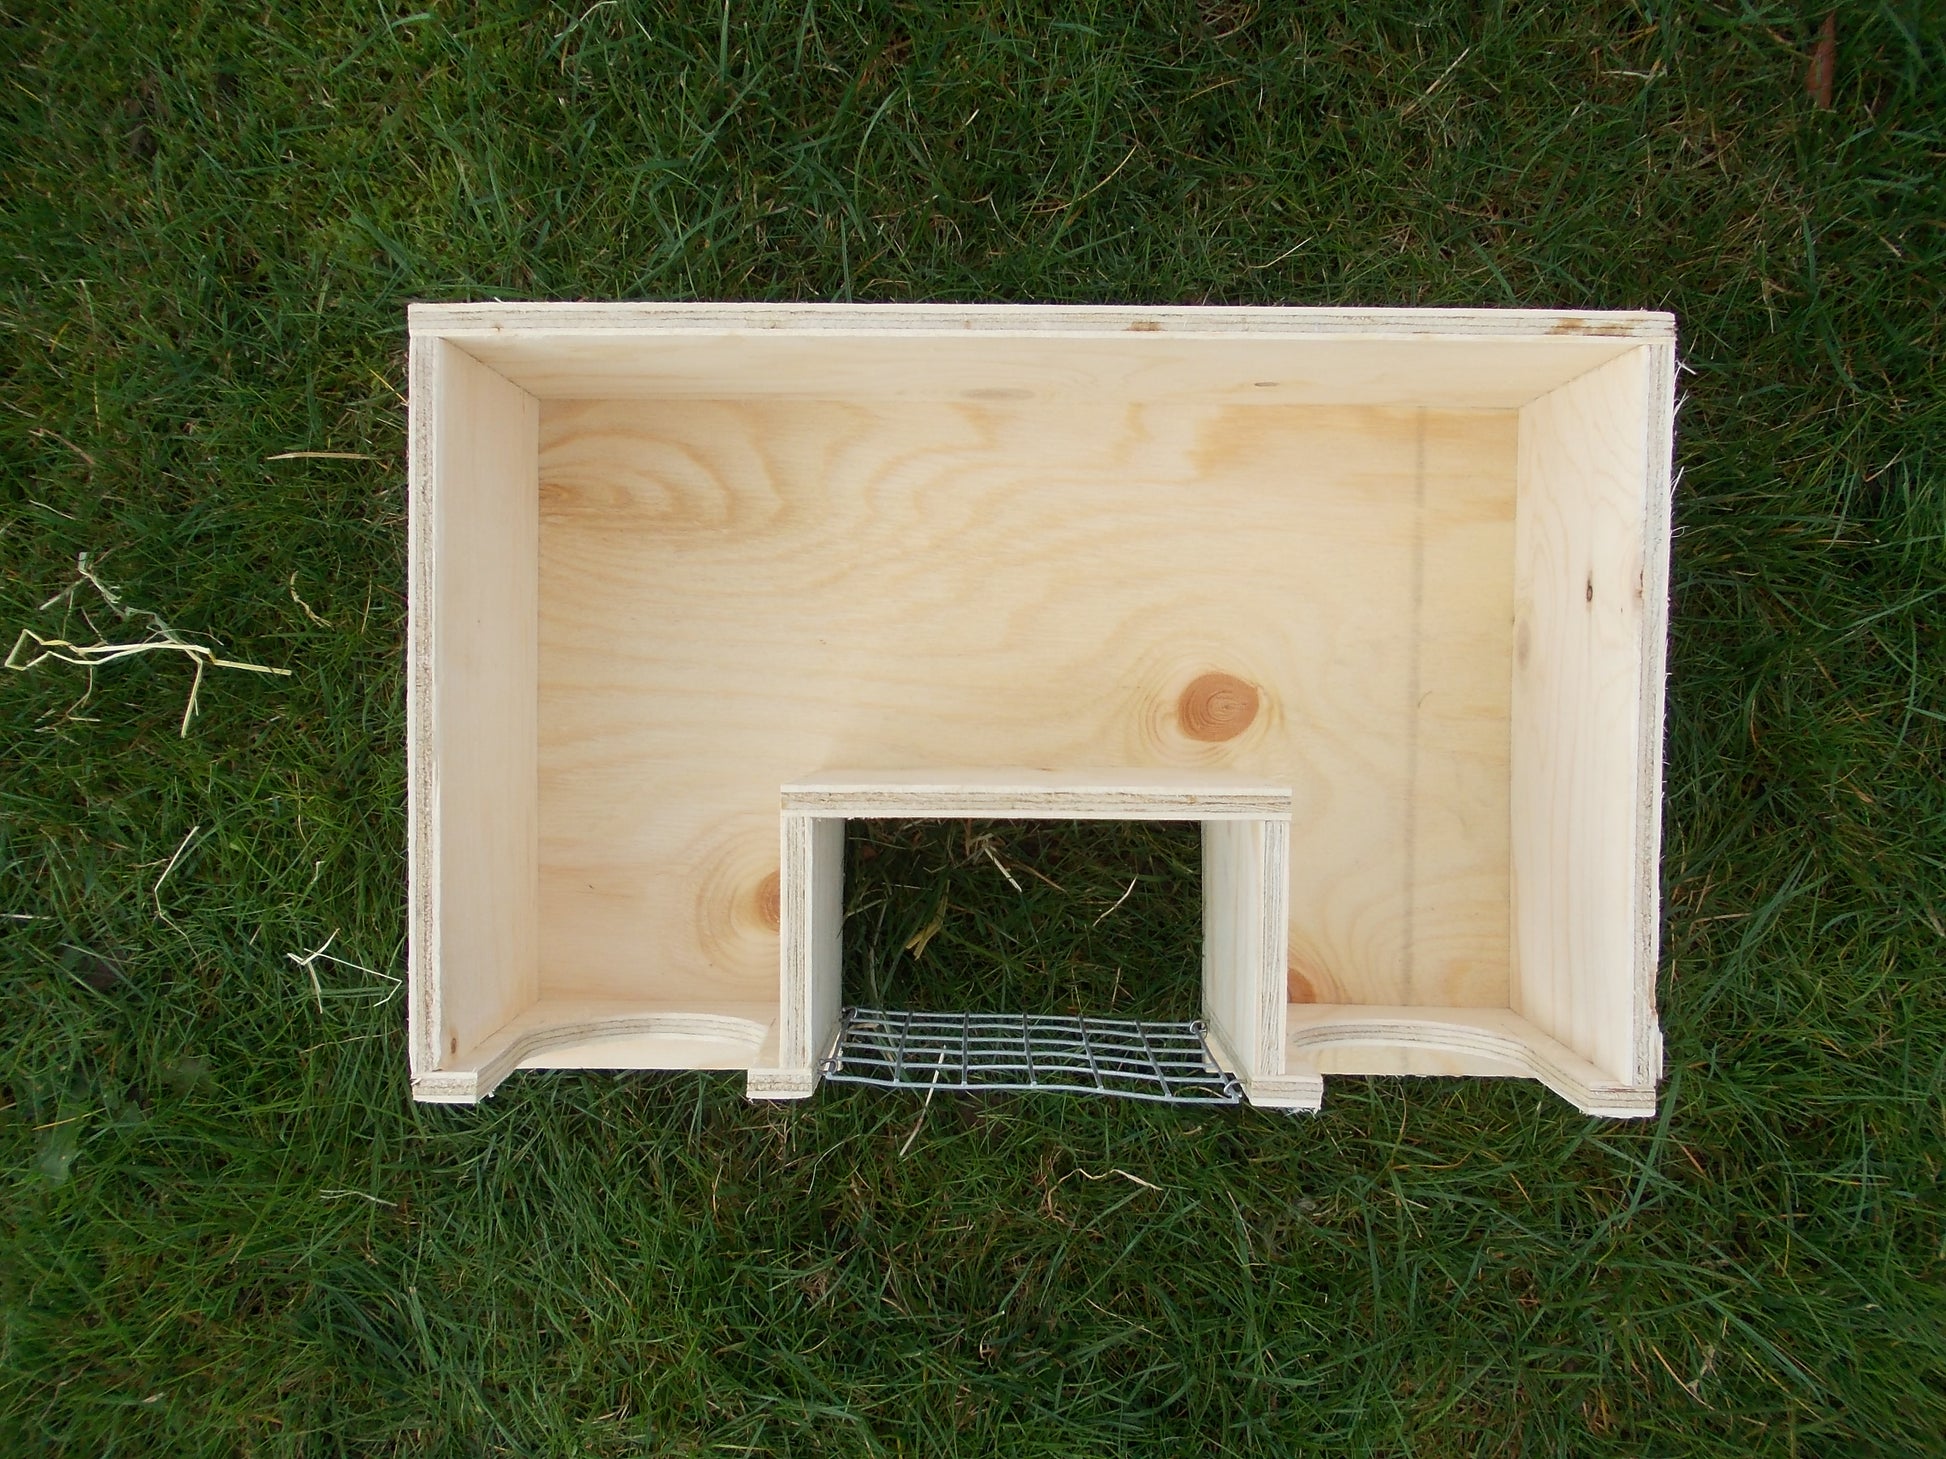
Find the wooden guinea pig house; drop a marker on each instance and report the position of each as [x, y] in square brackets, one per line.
[1376, 597]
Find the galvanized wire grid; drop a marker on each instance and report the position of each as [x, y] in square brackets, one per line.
[1165, 1063]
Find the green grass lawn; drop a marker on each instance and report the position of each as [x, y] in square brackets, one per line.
[226, 1229]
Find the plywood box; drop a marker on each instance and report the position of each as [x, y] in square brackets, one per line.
[1405, 568]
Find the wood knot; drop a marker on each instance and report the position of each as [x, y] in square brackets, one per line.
[769, 902]
[1297, 987]
[1216, 707]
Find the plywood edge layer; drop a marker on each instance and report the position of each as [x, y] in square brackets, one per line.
[781, 1084]
[770, 1079]
[1077, 796]
[455, 321]
[665, 1038]
[1299, 1093]
[422, 771]
[472, 715]
[1658, 508]
[457, 1087]
[1492, 1033]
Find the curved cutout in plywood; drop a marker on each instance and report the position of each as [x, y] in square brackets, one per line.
[1399, 1040]
[605, 1034]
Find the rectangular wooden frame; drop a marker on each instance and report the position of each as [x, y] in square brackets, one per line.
[1460, 671]
[1246, 897]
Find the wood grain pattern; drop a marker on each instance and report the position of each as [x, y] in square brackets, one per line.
[608, 1033]
[472, 720]
[1457, 358]
[1246, 882]
[1067, 795]
[733, 544]
[734, 593]
[512, 322]
[1473, 1041]
[812, 903]
[1586, 715]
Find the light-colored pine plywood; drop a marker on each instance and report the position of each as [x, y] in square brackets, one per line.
[813, 909]
[1449, 359]
[1067, 795]
[1323, 1039]
[1246, 881]
[510, 323]
[1590, 575]
[472, 718]
[1442, 374]
[597, 1033]
[1246, 842]
[1388, 729]
[734, 593]
[1420, 795]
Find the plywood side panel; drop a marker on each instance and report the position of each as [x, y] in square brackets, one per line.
[811, 901]
[424, 1034]
[1232, 852]
[737, 593]
[1457, 358]
[1590, 550]
[1246, 878]
[519, 320]
[1442, 374]
[473, 722]
[827, 918]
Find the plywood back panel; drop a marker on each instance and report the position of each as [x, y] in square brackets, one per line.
[735, 593]
[473, 721]
[1590, 616]
[1438, 358]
